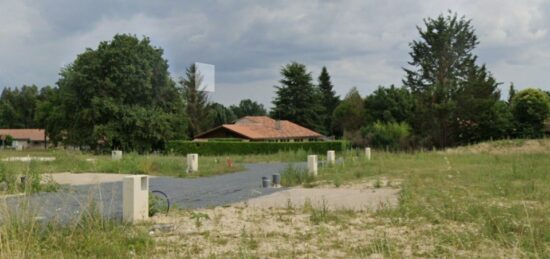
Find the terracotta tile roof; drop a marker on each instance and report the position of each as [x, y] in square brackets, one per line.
[30, 134]
[263, 127]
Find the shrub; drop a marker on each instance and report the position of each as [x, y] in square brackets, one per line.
[292, 176]
[249, 148]
[530, 108]
[391, 135]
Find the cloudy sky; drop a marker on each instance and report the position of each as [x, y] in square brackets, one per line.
[363, 43]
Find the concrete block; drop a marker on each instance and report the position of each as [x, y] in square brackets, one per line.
[192, 163]
[312, 164]
[116, 154]
[331, 157]
[367, 153]
[135, 198]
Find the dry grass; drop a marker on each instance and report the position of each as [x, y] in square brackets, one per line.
[481, 202]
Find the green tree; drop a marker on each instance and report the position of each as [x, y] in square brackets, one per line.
[329, 99]
[474, 113]
[120, 95]
[391, 135]
[297, 99]
[530, 108]
[501, 122]
[349, 115]
[197, 105]
[18, 107]
[219, 115]
[511, 92]
[443, 73]
[248, 107]
[389, 105]
[49, 114]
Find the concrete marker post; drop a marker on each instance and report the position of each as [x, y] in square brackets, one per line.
[312, 164]
[135, 198]
[192, 163]
[331, 157]
[116, 154]
[367, 153]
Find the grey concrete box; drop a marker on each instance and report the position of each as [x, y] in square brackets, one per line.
[135, 198]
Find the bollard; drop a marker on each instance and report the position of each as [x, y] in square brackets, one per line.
[192, 163]
[229, 162]
[265, 182]
[276, 180]
[331, 157]
[312, 164]
[116, 154]
[367, 153]
[135, 198]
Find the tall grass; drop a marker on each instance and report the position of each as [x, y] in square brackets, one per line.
[292, 176]
[503, 197]
[23, 235]
[76, 162]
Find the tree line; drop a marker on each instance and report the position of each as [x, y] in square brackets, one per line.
[121, 95]
[446, 99]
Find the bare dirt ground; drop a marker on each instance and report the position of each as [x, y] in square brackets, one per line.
[356, 198]
[298, 223]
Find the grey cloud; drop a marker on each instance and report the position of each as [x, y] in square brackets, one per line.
[363, 43]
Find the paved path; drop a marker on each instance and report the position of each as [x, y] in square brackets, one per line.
[185, 193]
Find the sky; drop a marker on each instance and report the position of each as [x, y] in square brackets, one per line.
[363, 43]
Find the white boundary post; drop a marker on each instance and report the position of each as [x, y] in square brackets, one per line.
[135, 198]
[312, 164]
[331, 157]
[192, 163]
[367, 153]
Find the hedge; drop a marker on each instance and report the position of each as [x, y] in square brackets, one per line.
[248, 148]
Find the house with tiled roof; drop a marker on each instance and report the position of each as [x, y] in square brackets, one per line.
[261, 128]
[25, 138]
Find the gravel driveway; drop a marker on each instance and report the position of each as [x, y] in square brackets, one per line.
[184, 193]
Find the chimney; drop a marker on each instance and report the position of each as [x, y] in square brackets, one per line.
[277, 124]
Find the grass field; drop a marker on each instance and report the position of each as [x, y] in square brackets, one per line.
[489, 200]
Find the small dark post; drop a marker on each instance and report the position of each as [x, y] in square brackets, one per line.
[276, 181]
[265, 182]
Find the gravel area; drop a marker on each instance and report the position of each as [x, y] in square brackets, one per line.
[202, 192]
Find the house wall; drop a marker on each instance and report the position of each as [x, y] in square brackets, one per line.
[20, 144]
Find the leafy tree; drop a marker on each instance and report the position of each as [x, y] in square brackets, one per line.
[197, 105]
[443, 74]
[120, 95]
[349, 115]
[49, 114]
[248, 107]
[297, 99]
[329, 99]
[392, 135]
[389, 105]
[474, 113]
[220, 115]
[511, 93]
[18, 107]
[501, 121]
[530, 108]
